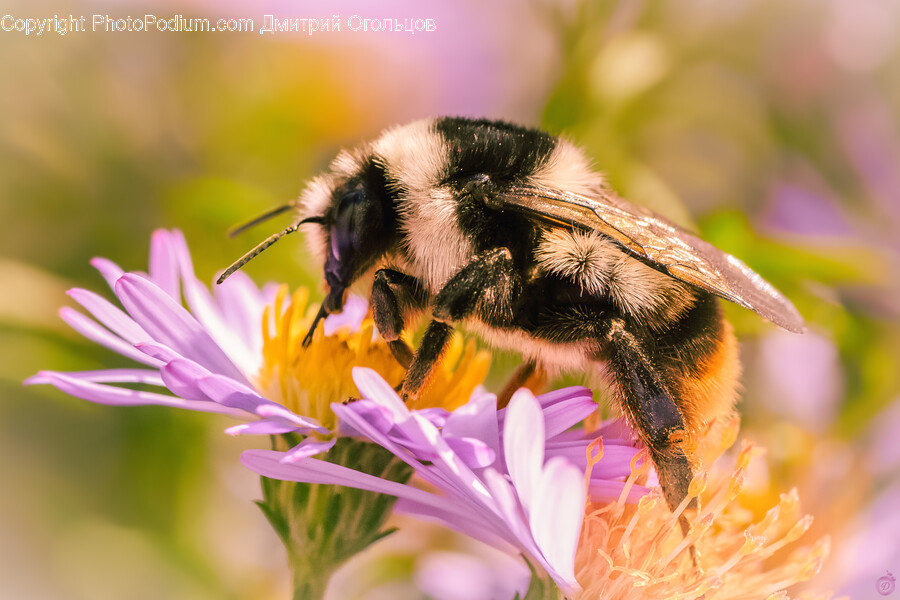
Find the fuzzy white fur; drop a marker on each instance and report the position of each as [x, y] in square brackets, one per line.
[600, 267]
[435, 248]
[567, 169]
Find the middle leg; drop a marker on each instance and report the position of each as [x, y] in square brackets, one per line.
[488, 289]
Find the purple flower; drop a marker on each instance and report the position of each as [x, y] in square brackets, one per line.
[513, 478]
[204, 353]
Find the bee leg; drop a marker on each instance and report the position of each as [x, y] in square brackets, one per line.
[387, 291]
[433, 344]
[487, 288]
[652, 409]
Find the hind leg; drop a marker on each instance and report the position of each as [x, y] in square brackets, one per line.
[646, 400]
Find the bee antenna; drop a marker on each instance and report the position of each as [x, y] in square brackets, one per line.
[263, 245]
[238, 229]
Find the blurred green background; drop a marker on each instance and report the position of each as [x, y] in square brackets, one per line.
[774, 122]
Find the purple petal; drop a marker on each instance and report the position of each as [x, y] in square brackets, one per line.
[308, 447]
[556, 516]
[182, 377]
[352, 314]
[562, 415]
[616, 461]
[449, 464]
[313, 470]
[170, 324]
[261, 428]
[204, 309]
[436, 416]
[241, 305]
[94, 332]
[375, 415]
[473, 452]
[347, 415]
[563, 394]
[470, 525]
[228, 392]
[616, 429]
[109, 315]
[105, 394]
[109, 270]
[158, 351]
[273, 411]
[476, 419]
[509, 509]
[373, 387]
[145, 376]
[523, 443]
[164, 264]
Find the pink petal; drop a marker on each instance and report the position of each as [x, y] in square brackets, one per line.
[373, 387]
[261, 428]
[109, 315]
[273, 411]
[308, 447]
[508, 508]
[164, 264]
[449, 464]
[182, 376]
[476, 419]
[108, 269]
[170, 324]
[468, 524]
[375, 415]
[351, 316]
[523, 443]
[159, 352]
[313, 470]
[563, 394]
[228, 392]
[146, 376]
[556, 516]
[473, 452]
[562, 415]
[105, 394]
[347, 414]
[241, 305]
[94, 332]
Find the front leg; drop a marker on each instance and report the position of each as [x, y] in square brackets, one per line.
[487, 288]
[393, 293]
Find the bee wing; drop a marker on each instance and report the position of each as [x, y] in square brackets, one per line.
[651, 237]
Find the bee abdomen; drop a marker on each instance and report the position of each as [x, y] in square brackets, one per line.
[700, 357]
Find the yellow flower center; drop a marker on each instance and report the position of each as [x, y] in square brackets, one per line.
[307, 380]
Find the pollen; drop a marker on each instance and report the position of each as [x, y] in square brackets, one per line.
[640, 553]
[307, 380]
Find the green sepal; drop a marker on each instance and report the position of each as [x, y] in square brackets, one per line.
[322, 526]
[541, 586]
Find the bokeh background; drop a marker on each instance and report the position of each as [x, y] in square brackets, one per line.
[774, 122]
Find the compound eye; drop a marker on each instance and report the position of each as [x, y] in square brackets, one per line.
[345, 225]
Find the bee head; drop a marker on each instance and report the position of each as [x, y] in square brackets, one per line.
[353, 222]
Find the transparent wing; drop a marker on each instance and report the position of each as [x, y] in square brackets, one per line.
[651, 237]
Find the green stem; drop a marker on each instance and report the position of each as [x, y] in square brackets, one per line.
[322, 526]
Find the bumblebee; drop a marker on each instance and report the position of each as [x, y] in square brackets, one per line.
[509, 232]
